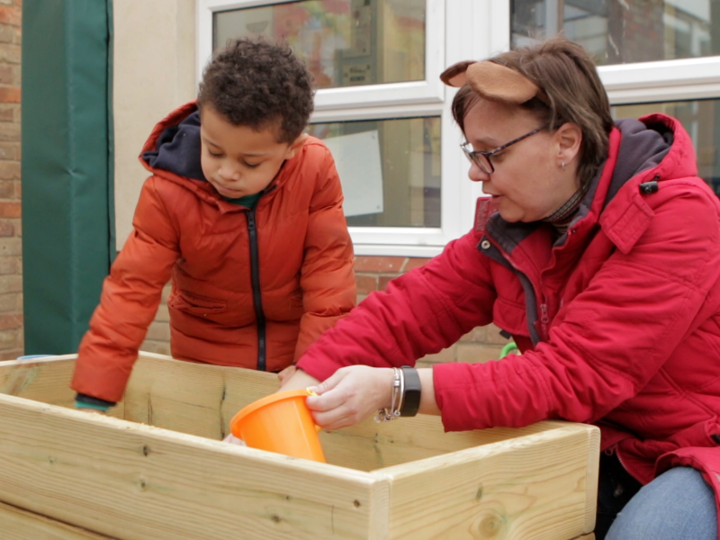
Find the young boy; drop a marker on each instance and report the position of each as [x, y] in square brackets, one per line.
[243, 212]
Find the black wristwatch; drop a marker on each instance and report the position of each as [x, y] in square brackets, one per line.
[411, 392]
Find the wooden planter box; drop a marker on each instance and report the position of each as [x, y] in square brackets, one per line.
[158, 468]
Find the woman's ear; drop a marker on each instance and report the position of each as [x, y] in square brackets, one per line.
[569, 138]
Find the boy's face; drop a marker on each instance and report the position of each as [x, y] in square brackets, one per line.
[237, 160]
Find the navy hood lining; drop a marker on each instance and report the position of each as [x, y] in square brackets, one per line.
[178, 149]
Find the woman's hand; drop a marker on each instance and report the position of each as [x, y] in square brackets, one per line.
[350, 396]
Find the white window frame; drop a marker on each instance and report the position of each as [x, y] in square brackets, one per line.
[456, 30]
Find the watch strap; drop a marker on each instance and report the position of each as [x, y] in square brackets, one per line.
[411, 392]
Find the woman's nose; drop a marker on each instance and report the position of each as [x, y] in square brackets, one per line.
[476, 174]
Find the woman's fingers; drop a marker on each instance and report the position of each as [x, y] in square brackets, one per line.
[350, 396]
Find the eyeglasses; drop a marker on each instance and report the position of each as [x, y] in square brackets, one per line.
[482, 158]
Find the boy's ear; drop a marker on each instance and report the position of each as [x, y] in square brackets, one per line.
[296, 145]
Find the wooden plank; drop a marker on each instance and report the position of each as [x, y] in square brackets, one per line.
[43, 379]
[370, 446]
[536, 486]
[17, 524]
[198, 399]
[135, 482]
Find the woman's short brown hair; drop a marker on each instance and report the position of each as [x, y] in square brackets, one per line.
[569, 79]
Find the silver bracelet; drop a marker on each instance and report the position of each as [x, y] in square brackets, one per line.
[398, 387]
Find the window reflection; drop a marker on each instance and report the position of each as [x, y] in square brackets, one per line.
[343, 42]
[389, 169]
[701, 119]
[623, 31]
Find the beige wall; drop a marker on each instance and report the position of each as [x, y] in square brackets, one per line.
[154, 72]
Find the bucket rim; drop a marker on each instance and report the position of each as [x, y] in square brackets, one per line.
[267, 400]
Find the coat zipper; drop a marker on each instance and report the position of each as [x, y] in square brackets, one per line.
[257, 299]
[544, 319]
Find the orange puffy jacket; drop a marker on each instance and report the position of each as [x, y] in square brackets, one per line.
[250, 288]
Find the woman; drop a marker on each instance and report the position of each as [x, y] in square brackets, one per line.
[599, 251]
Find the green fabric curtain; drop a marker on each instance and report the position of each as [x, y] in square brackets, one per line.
[67, 192]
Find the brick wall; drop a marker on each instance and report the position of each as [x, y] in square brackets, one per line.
[372, 274]
[11, 316]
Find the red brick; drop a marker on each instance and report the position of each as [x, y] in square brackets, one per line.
[7, 227]
[10, 94]
[11, 354]
[9, 131]
[7, 112]
[10, 150]
[9, 170]
[7, 189]
[10, 15]
[383, 282]
[8, 339]
[10, 265]
[378, 264]
[366, 284]
[414, 262]
[10, 321]
[10, 209]
[10, 302]
[476, 335]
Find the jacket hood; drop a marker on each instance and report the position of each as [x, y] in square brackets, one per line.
[174, 144]
[177, 149]
[657, 145]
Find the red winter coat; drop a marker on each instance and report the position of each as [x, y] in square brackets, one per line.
[250, 288]
[619, 321]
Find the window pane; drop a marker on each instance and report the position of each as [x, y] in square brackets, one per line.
[389, 169]
[343, 42]
[701, 119]
[623, 31]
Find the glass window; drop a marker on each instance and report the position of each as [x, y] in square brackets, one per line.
[701, 119]
[389, 170]
[623, 31]
[343, 42]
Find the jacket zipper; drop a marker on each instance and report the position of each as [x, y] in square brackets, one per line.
[530, 291]
[257, 299]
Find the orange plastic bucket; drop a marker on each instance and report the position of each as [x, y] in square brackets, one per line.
[280, 423]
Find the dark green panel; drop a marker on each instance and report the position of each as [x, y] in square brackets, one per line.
[66, 159]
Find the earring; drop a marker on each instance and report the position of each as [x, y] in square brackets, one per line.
[562, 165]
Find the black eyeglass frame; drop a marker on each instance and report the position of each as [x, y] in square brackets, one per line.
[476, 156]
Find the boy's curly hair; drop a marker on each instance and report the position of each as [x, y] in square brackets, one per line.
[255, 83]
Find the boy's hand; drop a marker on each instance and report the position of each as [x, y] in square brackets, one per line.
[232, 439]
[298, 380]
[286, 373]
